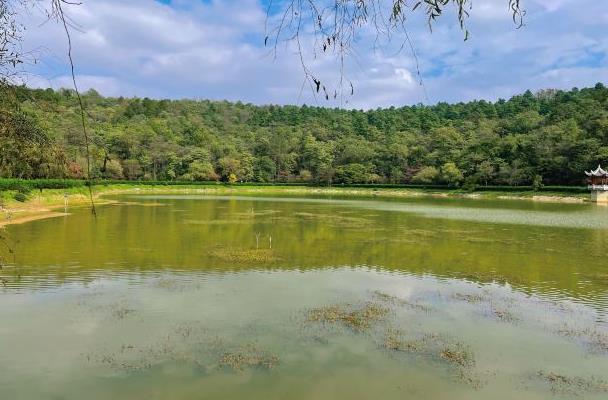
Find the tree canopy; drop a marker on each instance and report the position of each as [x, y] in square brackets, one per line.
[551, 137]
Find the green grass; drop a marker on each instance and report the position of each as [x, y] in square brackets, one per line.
[32, 184]
[50, 192]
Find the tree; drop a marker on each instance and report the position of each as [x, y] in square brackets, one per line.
[318, 158]
[132, 169]
[12, 28]
[264, 169]
[304, 176]
[537, 182]
[353, 173]
[114, 170]
[426, 175]
[26, 151]
[10, 37]
[281, 146]
[354, 150]
[430, 144]
[228, 167]
[485, 172]
[200, 171]
[450, 174]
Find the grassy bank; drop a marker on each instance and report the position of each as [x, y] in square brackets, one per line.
[36, 184]
[20, 203]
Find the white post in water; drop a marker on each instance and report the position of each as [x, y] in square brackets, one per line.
[598, 184]
[65, 202]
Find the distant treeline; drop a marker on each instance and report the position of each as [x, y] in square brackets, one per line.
[530, 140]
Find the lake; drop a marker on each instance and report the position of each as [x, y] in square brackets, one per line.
[205, 297]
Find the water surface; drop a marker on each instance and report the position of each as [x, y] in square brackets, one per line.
[187, 297]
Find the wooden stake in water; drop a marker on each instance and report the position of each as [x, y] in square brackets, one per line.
[270, 241]
[65, 202]
[257, 240]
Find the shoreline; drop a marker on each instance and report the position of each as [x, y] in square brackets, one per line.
[49, 203]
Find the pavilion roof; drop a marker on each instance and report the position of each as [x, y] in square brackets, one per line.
[597, 172]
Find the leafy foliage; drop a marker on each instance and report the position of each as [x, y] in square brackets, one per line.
[26, 150]
[547, 138]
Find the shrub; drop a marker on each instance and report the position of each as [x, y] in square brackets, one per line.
[450, 174]
[537, 183]
[23, 189]
[114, 170]
[25, 186]
[426, 175]
[353, 173]
[22, 197]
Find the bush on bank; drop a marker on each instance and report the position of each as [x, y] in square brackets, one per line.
[24, 185]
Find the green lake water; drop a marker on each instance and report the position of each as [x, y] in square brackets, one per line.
[209, 297]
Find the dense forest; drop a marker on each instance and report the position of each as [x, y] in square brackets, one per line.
[548, 137]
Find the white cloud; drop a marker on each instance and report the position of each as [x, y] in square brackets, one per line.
[215, 50]
[553, 5]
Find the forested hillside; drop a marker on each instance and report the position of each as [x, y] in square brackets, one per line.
[548, 137]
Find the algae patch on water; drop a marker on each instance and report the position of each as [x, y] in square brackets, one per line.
[594, 340]
[337, 220]
[503, 315]
[437, 348]
[356, 318]
[572, 385]
[244, 256]
[248, 356]
[431, 344]
[395, 341]
[458, 354]
[186, 343]
[397, 301]
[469, 298]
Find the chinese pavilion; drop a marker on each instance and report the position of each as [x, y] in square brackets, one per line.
[598, 184]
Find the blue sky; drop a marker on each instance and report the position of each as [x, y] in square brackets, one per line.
[214, 49]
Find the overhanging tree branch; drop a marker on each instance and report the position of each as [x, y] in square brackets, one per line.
[333, 27]
[11, 55]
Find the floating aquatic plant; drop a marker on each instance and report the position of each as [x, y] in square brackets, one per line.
[248, 356]
[356, 318]
[576, 385]
[458, 354]
[244, 256]
[594, 340]
[397, 301]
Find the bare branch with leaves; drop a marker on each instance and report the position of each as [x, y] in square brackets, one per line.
[11, 55]
[333, 27]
